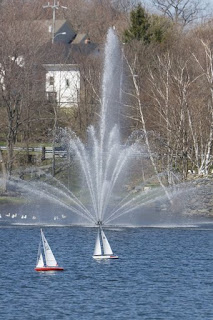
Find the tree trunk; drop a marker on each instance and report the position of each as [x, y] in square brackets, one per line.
[4, 173]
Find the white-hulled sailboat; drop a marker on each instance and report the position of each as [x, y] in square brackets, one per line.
[50, 261]
[107, 251]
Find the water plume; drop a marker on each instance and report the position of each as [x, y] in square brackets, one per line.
[105, 164]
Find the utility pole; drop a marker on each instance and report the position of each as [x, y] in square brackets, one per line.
[55, 6]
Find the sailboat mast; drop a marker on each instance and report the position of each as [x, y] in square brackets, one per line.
[43, 243]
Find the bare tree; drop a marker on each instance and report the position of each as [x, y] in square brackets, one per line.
[18, 82]
[173, 99]
[180, 11]
[138, 101]
[203, 133]
[94, 17]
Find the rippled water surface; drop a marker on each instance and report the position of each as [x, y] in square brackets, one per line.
[160, 274]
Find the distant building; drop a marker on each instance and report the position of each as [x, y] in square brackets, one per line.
[63, 30]
[61, 64]
[63, 84]
[59, 78]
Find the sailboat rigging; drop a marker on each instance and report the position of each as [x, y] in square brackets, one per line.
[50, 263]
[107, 251]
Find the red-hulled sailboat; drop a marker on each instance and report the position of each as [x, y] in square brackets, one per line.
[50, 261]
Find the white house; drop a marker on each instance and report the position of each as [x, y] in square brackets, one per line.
[62, 69]
[63, 84]
[62, 53]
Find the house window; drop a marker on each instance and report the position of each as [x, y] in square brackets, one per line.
[67, 83]
[51, 81]
[51, 96]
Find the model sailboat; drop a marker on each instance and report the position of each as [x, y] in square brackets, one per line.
[107, 251]
[50, 261]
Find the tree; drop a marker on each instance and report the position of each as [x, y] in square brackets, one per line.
[147, 28]
[139, 26]
[93, 17]
[172, 102]
[19, 83]
[202, 129]
[142, 119]
[88, 59]
[161, 29]
[180, 11]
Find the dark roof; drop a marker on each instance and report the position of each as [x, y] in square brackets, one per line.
[67, 48]
[59, 53]
[45, 28]
[61, 67]
[85, 49]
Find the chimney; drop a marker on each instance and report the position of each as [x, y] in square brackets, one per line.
[87, 40]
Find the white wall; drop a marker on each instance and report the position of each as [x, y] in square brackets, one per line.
[66, 85]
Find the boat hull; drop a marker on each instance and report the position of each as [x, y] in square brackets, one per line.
[49, 269]
[101, 257]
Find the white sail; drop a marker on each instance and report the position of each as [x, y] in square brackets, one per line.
[97, 251]
[49, 257]
[106, 246]
[40, 263]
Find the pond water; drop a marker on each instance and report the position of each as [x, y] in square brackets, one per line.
[161, 273]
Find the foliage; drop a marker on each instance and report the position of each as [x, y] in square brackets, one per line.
[160, 28]
[146, 28]
[140, 26]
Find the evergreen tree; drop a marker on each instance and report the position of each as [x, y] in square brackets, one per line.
[160, 29]
[139, 28]
[147, 28]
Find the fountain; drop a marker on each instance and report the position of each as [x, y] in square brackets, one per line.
[106, 164]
